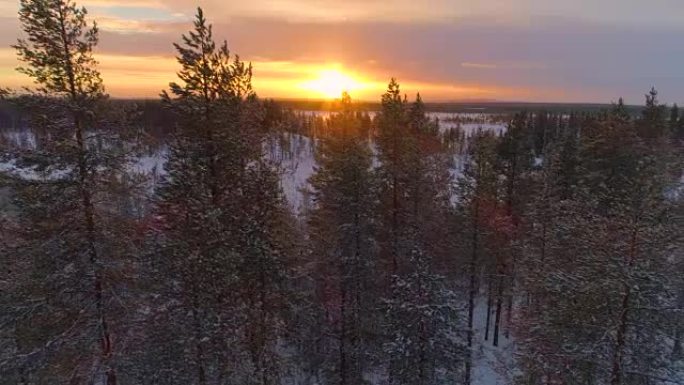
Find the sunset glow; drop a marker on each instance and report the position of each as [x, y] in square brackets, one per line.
[448, 51]
[330, 83]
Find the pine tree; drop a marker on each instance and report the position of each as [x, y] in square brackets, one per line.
[674, 119]
[414, 203]
[425, 347]
[223, 222]
[73, 236]
[515, 160]
[567, 164]
[194, 251]
[392, 139]
[341, 227]
[599, 300]
[477, 191]
[619, 111]
[653, 124]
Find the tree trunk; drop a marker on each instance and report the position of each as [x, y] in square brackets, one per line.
[343, 333]
[395, 237]
[509, 298]
[677, 348]
[263, 331]
[499, 300]
[422, 360]
[679, 327]
[489, 307]
[471, 292]
[199, 351]
[356, 298]
[88, 208]
[514, 223]
[395, 212]
[616, 374]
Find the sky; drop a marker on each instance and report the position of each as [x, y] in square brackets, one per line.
[448, 50]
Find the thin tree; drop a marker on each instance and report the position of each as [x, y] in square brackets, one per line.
[341, 230]
[57, 51]
[223, 225]
[477, 193]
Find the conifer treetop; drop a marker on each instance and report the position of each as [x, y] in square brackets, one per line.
[207, 71]
[58, 48]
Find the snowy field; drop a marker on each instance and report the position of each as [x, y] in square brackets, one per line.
[294, 154]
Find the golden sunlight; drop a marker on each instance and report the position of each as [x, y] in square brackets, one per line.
[331, 82]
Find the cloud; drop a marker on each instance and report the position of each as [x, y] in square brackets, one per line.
[527, 56]
[619, 12]
[484, 66]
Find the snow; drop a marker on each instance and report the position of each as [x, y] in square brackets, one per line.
[151, 163]
[20, 138]
[470, 128]
[297, 163]
[676, 191]
[30, 173]
[295, 156]
[468, 122]
[491, 364]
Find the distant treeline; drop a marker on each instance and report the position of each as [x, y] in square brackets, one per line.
[484, 107]
[152, 113]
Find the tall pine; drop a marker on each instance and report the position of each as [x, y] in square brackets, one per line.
[75, 242]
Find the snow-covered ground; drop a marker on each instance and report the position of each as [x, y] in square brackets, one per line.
[151, 165]
[12, 167]
[295, 156]
[492, 365]
[293, 153]
[297, 163]
[19, 138]
[469, 128]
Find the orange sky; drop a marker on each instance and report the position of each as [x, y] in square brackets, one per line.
[146, 76]
[518, 50]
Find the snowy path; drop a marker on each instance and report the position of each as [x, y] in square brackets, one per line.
[491, 365]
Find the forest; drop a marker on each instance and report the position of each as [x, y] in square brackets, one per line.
[212, 237]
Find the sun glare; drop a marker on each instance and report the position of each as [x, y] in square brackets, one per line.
[330, 83]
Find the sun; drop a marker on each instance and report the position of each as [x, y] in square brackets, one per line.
[330, 83]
